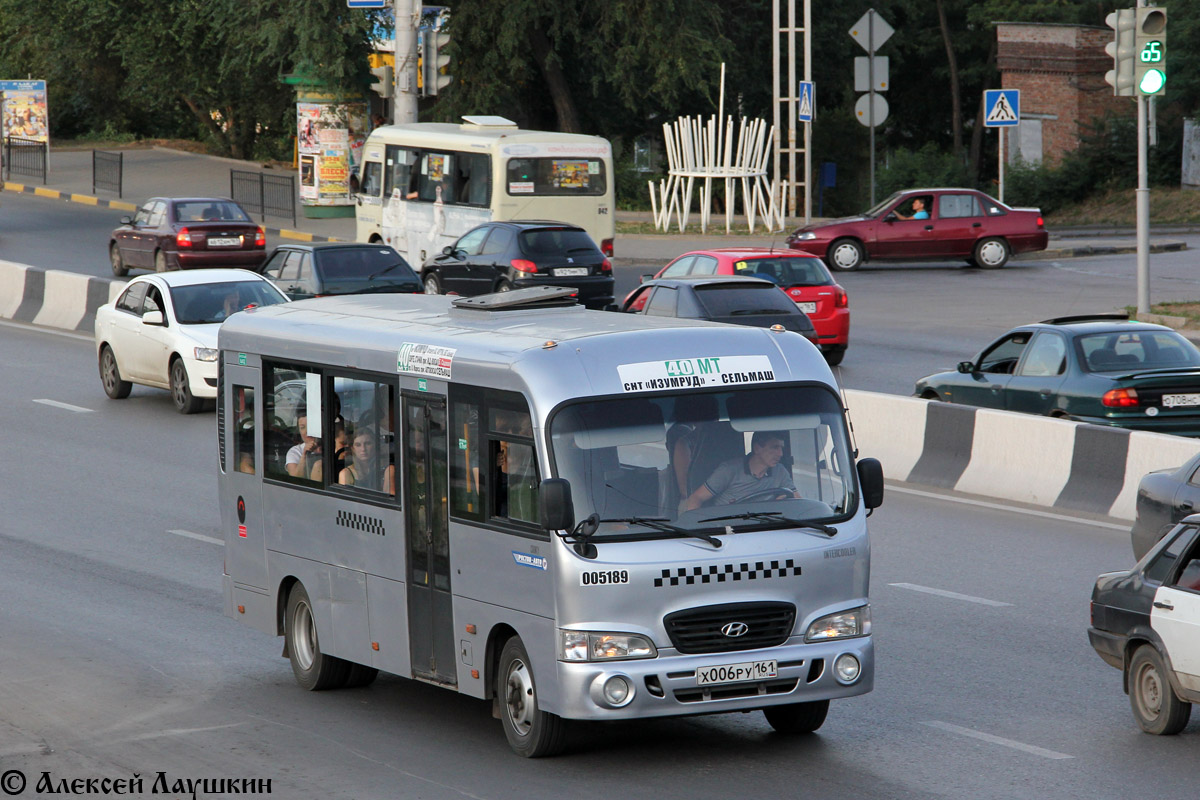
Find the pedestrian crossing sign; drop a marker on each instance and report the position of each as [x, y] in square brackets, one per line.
[1001, 108]
[806, 105]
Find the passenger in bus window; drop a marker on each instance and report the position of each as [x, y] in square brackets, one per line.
[755, 474]
[245, 450]
[341, 449]
[364, 470]
[300, 459]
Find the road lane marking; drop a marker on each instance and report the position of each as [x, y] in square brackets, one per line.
[987, 737]
[1014, 509]
[200, 537]
[66, 406]
[983, 601]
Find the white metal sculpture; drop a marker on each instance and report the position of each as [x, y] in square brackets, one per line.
[705, 150]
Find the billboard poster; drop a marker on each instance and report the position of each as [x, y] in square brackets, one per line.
[25, 114]
[330, 140]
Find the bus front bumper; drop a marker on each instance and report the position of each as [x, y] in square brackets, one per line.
[667, 686]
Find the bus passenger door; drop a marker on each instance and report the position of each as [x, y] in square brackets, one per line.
[241, 514]
[427, 530]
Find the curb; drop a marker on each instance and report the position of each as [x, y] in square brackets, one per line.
[1098, 250]
[120, 205]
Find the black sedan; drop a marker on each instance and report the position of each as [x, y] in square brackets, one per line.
[717, 298]
[1104, 369]
[500, 256]
[1146, 623]
[1164, 497]
[314, 270]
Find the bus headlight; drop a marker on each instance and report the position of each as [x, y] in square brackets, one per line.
[856, 622]
[206, 354]
[591, 646]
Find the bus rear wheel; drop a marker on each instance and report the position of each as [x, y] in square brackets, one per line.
[797, 717]
[313, 669]
[531, 732]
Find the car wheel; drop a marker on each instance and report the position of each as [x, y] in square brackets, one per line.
[531, 732]
[160, 261]
[110, 376]
[181, 391]
[1155, 706]
[834, 355]
[313, 669]
[432, 284]
[845, 255]
[797, 717]
[930, 394]
[504, 286]
[991, 253]
[118, 264]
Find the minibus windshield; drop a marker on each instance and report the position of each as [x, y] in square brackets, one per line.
[756, 457]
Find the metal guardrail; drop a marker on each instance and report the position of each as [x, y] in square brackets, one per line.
[108, 170]
[263, 194]
[27, 157]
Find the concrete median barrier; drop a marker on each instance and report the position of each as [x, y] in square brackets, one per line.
[53, 298]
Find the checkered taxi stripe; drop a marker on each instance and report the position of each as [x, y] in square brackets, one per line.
[717, 573]
[360, 522]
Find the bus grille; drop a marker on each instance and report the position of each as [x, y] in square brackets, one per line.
[699, 630]
[705, 693]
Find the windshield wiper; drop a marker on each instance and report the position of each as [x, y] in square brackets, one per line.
[388, 268]
[661, 524]
[776, 516]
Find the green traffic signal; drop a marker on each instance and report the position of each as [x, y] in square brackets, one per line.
[1152, 81]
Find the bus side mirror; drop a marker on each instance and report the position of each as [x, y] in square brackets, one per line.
[870, 477]
[556, 511]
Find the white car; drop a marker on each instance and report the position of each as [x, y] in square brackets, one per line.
[162, 331]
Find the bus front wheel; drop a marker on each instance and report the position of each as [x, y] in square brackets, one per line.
[531, 732]
[797, 717]
[313, 669]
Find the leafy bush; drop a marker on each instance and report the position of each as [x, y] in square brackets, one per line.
[108, 134]
[911, 169]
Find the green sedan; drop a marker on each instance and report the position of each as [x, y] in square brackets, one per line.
[1102, 369]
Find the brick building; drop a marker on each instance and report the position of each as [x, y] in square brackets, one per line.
[1060, 72]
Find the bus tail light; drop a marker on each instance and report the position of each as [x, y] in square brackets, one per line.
[606, 247]
[840, 298]
[522, 265]
[1120, 398]
[606, 267]
[183, 238]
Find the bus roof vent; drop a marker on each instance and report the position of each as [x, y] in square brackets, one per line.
[521, 299]
[488, 121]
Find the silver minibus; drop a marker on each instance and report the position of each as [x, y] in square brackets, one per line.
[573, 514]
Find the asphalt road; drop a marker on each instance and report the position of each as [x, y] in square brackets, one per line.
[116, 658]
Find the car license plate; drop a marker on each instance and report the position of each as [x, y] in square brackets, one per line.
[224, 242]
[1180, 400]
[570, 272]
[807, 308]
[735, 673]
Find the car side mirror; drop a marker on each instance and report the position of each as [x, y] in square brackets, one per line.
[153, 318]
[126, 220]
[448, 250]
[646, 277]
[966, 367]
[890, 217]
[555, 510]
[870, 478]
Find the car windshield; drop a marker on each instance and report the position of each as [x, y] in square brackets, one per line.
[775, 455]
[785, 270]
[354, 265]
[208, 303]
[209, 211]
[1122, 351]
[878, 208]
[557, 242]
[736, 299]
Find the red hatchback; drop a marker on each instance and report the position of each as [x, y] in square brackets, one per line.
[927, 224]
[804, 278]
[170, 233]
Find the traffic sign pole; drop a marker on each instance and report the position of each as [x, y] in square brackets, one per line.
[1143, 207]
[871, 102]
[1002, 165]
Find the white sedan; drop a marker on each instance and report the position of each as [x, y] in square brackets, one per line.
[162, 331]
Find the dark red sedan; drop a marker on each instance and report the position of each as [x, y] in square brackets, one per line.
[803, 278]
[169, 233]
[927, 224]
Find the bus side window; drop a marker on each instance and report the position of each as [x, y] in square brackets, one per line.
[465, 442]
[292, 434]
[400, 174]
[244, 427]
[371, 178]
[514, 477]
[436, 180]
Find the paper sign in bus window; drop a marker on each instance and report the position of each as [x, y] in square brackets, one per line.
[569, 174]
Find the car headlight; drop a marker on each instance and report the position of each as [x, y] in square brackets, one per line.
[592, 646]
[800, 237]
[206, 354]
[856, 622]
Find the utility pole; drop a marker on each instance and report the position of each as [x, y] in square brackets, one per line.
[404, 103]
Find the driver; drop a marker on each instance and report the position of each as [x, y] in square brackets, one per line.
[753, 474]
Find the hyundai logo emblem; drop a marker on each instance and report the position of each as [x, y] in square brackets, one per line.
[735, 629]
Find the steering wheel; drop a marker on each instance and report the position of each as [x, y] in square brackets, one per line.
[777, 493]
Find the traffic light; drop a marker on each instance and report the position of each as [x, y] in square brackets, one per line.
[1150, 74]
[1122, 49]
[436, 60]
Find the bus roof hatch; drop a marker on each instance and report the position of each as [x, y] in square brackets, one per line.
[521, 299]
